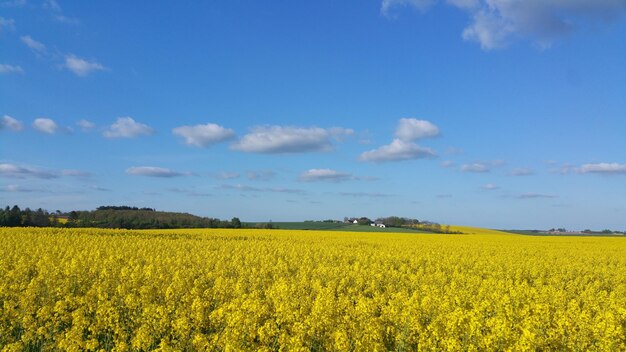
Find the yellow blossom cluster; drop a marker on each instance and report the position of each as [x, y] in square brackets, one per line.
[270, 290]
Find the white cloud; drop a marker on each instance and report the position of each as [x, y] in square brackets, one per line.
[203, 135]
[490, 187]
[127, 127]
[521, 172]
[496, 23]
[603, 168]
[34, 45]
[45, 125]
[403, 147]
[447, 163]
[475, 167]
[81, 67]
[5, 68]
[16, 171]
[410, 129]
[153, 171]
[397, 150]
[85, 125]
[281, 139]
[324, 175]
[11, 123]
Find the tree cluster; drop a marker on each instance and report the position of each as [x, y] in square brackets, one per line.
[112, 217]
[396, 221]
[16, 217]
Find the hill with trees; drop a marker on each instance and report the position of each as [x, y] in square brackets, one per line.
[111, 217]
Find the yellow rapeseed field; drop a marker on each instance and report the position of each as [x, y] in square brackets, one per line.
[268, 290]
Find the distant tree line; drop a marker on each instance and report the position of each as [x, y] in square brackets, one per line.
[111, 217]
[122, 207]
[16, 217]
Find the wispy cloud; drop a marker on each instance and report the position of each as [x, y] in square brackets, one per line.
[11, 123]
[34, 45]
[7, 69]
[17, 171]
[6, 24]
[76, 173]
[86, 125]
[203, 135]
[153, 171]
[22, 189]
[261, 175]
[490, 187]
[536, 195]
[327, 175]
[57, 13]
[561, 169]
[365, 194]
[24, 171]
[45, 125]
[245, 188]
[475, 167]
[285, 139]
[387, 5]
[190, 192]
[13, 3]
[454, 151]
[603, 168]
[521, 172]
[447, 163]
[81, 67]
[127, 127]
[226, 175]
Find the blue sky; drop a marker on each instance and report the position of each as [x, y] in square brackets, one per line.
[505, 114]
